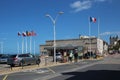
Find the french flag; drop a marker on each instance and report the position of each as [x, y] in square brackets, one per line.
[92, 19]
[19, 34]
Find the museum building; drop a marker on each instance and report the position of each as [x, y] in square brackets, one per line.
[82, 44]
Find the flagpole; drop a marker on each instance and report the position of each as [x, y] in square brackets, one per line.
[30, 44]
[98, 32]
[22, 45]
[26, 44]
[18, 46]
[89, 35]
[18, 43]
[1, 45]
[98, 27]
[34, 47]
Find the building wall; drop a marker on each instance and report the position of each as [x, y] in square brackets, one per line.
[100, 46]
[113, 39]
[84, 42]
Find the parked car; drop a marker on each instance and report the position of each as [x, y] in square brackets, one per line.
[3, 58]
[59, 57]
[22, 59]
[1, 55]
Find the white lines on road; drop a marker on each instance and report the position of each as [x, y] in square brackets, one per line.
[36, 71]
[5, 77]
[51, 70]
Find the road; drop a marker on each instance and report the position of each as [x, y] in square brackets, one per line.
[48, 72]
[109, 69]
[96, 72]
[88, 69]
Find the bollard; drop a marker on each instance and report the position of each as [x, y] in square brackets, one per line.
[11, 66]
[22, 62]
[38, 62]
[46, 59]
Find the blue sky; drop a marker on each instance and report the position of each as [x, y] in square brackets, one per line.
[21, 15]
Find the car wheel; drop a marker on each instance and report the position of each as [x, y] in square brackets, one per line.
[12, 65]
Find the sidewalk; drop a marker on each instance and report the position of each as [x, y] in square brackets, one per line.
[45, 62]
[112, 59]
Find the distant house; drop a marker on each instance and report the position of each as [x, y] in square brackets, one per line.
[114, 44]
[83, 44]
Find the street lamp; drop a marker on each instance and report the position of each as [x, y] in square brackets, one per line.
[1, 47]
[54, 24]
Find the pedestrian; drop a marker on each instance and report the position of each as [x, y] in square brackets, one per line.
[70, 56]
[76, 56]
[80, 55]
[65, 56]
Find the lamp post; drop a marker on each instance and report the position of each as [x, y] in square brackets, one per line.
[1, 47]
[54, 25]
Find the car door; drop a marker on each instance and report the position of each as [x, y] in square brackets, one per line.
[22, 58]
[28, 60]
[32, 59]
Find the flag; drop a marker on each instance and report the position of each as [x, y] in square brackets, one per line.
[28, 33]
[92, 19]
[19, 34]
[33, 33]
[24, 34]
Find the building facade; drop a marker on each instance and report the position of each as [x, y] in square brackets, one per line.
[83, 44]
[114, 46]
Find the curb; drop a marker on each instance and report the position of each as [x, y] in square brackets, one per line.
[42, 65]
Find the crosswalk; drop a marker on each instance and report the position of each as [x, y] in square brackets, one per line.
[36, 71]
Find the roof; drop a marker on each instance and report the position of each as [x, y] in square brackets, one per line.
[71, 39]
[69, 46]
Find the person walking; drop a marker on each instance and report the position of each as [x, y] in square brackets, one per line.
[76, 56]
[70, 56]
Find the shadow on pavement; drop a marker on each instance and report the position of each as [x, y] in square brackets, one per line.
[94, 75]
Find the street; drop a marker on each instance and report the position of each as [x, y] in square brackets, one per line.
[48, 72]
[104, 69]
[109, 69]
[96, 72]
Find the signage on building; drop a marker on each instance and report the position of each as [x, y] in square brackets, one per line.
[80, 48]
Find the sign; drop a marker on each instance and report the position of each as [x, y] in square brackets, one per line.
[80, 48]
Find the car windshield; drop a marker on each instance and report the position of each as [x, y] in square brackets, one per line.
[4, 56]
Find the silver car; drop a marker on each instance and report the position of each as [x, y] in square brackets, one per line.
[22, 59]
[3, 58]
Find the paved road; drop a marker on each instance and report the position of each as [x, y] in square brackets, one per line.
[84, 70]
[109, 69]
[48, 72]
[96, 72]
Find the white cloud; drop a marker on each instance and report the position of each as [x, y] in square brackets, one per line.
[100, 0]
[83, 5]
[109, 33]
[79, 6]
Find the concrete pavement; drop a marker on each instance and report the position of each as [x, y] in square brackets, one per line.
[45, 62]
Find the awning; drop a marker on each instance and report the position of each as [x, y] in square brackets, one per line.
[69, 46]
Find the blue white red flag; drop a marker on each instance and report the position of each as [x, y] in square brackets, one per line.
[92, 19]
[24, 34]
[19, 34]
